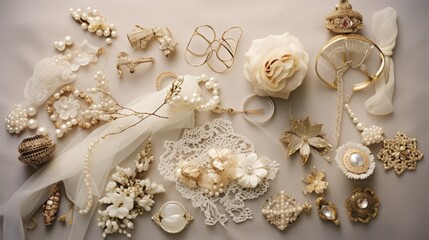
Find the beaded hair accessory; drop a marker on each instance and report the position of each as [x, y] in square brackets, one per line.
[139, 37]
[205, 48]
[222, 169]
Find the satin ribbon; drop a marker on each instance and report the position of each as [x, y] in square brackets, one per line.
[385, 31]
[68, 165]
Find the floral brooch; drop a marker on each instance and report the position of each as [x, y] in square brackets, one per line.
[305, 137]
[355, 160]
[362, 205]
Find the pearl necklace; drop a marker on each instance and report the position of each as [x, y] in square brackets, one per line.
[195, 100]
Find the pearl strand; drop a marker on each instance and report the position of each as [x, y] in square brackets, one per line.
[369, 136]
[87, 177]
[195, 100]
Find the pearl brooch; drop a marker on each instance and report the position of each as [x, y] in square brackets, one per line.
[61, 45]
[94, 22]
[371, 135]
[172, 217]
[355, 160]
[195, 100]
[282, 210]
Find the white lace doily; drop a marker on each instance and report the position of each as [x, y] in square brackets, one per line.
[194, 146]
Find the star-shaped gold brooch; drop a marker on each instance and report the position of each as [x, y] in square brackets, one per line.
[305, 137]
[315, 182]
[400, 153]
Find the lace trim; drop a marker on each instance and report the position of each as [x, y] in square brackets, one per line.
[194, 146]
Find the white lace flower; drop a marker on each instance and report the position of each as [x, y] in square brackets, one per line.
[276, 65]
[121, 205]
[250, 171]
[67, 107]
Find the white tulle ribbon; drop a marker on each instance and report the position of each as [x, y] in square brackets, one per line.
[385, 31]
[68, 166]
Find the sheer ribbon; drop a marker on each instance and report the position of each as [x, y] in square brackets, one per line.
[68, 165]
[385, 31]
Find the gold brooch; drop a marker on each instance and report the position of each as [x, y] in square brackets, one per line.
[400, 153]
[362, 205]
[305, 137]
[355, 160]
[315, 182]
[172, 217]
[282, 210]
[344, 19]
[327, 210]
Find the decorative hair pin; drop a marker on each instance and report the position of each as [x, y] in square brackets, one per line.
[204, 45]
[131, 63]
[344, 19]
[94, 22]
[62, 45]
[139, 37]
[362, 205]
[282, 210]
[305, 137]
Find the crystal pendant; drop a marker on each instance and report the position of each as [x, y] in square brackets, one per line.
[172, 217]
[282, 210]
[327, 210]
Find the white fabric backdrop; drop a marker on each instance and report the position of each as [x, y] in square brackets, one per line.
[29, 29]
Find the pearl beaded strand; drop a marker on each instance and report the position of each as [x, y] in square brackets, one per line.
[371, 135]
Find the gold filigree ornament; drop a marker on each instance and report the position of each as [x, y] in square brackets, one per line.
[282, 210]
[362, 205]
[344, 19]
[327, 210]
[400, 153]
[315, 182]
[355, 160]
[305, 137]
[172, 217]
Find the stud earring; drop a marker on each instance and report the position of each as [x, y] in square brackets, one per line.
[139, 37]
[131, 63]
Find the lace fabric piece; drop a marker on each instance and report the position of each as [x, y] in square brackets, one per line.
[194, 146]
[51, 73]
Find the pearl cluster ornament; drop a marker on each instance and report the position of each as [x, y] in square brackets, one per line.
[140, 36]
[18, 120]
[282, 210]
[61, 45]
[94, 22]
[195, 100]
[371, 135]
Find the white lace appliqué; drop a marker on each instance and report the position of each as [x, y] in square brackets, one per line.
[194, 147]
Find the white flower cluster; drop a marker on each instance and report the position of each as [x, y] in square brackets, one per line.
[127, 197]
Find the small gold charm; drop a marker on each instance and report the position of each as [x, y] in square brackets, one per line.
[327, 210]
[281, 210]
[400, 153]
[315, 182]
[362, 205]
[129, 62]
[172, 217]
[305, 137]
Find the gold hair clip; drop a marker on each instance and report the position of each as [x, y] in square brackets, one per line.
[282, 210]
[131, 63]
[203, 45]
[139, 37]
[344, 19]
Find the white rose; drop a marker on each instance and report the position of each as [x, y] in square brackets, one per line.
[275, 65]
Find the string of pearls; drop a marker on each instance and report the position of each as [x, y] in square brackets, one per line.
[195, 100]
[371, 135]
[94, 22]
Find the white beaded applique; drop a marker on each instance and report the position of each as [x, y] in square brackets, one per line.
[195, 149]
